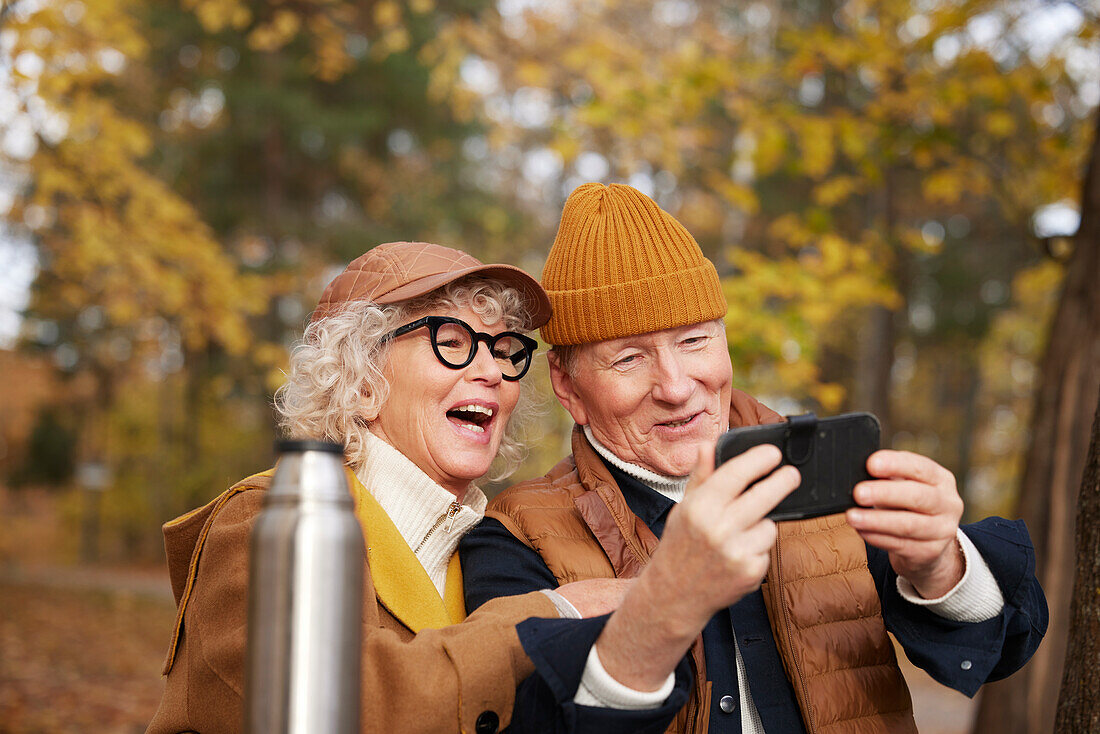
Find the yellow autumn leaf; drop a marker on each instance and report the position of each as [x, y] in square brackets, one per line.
[830, 395]
[944, 186]
[835, 191]
[1000, 124]
[771, 145]
[815, 142]
[217, 15]
[393, 41]
[387, 14]
[271, 36]
[531, 73]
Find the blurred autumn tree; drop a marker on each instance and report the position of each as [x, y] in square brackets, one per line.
[132, 282]
[197, 171]
[864, 172]
[1057, 490]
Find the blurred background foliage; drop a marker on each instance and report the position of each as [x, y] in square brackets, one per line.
[883, 184]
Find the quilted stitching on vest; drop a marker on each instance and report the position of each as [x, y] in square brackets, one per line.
[827, 622]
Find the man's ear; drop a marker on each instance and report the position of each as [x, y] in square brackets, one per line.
[566, 390]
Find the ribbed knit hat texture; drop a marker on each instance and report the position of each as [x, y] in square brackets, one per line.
[620, 265]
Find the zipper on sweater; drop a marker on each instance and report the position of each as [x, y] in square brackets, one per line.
[448, 517]
[810, 725]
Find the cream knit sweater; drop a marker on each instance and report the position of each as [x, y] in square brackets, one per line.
[428, 517]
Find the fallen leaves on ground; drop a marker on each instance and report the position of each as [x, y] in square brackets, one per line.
[76, 660]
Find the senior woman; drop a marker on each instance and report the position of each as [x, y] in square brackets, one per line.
[392, 366]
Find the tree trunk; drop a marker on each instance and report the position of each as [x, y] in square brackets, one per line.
[875, 347]
[1078, 704]
[1068, 389]
[968, 396]
[874, 363]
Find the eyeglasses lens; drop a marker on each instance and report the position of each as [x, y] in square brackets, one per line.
[510, 354]
[456, 344]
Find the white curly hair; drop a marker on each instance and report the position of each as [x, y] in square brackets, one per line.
[336, 386]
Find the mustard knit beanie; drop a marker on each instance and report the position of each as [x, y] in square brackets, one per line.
[620, 266]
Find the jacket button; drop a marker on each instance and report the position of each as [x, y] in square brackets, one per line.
[727, 704]
[487, 723]
[966, 665]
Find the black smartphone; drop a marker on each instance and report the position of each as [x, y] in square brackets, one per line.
[831, 453]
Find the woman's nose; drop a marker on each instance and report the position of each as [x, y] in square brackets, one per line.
[484, 365]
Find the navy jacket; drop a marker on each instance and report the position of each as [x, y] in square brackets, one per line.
[960, 655]
[544, 701]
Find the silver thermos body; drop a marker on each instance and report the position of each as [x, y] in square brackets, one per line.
[305, 599]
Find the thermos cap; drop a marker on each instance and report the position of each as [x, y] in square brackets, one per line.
[293, 446]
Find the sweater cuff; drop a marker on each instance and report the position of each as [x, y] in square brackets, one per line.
[565, 609]
[976, 597]
[598, 688]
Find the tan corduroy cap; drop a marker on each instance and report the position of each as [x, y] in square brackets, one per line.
[398, 271]
[620, 266]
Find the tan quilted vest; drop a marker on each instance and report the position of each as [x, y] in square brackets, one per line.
[822, 603]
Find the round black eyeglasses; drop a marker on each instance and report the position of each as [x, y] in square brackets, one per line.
[455, 344]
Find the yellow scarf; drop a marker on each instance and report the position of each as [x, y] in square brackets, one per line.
[400, 582]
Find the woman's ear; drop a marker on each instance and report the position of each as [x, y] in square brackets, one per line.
[368, 411]
[566, 391]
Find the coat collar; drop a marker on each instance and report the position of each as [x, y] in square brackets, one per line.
[400, 582]
[627, 543]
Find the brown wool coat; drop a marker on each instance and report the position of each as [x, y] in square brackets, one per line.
[822, 604]
[420, 672]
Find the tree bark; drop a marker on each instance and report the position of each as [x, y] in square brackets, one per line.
[875, 348]
[1079, 704]
[874, 363]
[1068, 390]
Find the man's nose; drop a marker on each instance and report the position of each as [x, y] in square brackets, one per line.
[672, 383]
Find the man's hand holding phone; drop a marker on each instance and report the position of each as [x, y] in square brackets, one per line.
[714, 550]
[830, 453]
[904, 503]
[911, 509]
[720, 530]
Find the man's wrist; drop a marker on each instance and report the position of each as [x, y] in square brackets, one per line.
[975, 598]
[643, 641]
[600, 688]
[565, 609]
[946, 574]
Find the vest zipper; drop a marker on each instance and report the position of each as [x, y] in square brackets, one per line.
[801, 683]
[690, 724]
[449, 516]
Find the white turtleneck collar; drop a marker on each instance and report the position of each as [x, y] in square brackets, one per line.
[428, 517]
[671, 487]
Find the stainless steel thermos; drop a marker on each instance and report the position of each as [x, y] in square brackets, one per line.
[302, 671]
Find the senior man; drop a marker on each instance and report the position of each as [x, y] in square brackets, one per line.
[640, 362]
